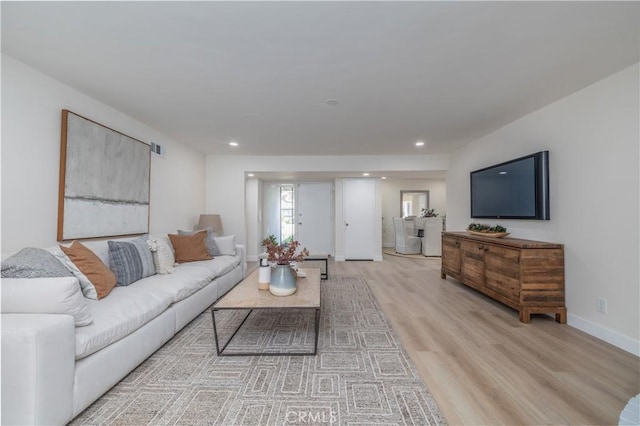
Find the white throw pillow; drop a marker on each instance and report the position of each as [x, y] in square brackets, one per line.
[88, 289]
[226, 245]
[162, 250]
[45, 296]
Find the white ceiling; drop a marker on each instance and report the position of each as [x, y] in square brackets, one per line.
[259, 73]
[330, 176]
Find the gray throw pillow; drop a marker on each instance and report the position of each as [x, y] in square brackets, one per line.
[125, 262]
[210, 242]
[148, 268]
[32, 262]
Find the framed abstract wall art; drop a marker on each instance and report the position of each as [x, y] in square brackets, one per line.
[104, 181]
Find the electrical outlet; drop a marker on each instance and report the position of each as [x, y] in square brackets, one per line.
[601, 305]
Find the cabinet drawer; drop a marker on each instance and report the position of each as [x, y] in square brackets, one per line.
[502, 271]
[509, 254]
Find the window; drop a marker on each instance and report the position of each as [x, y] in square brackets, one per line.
[407, 208]
[287, 213]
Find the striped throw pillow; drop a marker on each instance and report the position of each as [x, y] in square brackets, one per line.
[125, 262]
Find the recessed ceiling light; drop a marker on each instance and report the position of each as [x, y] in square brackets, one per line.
[383, 177]
[365, 174]
[502, 173]
[332, 102]
[419, 143]
[250, 174]
[233, 143]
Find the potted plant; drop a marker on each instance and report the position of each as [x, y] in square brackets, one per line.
[281, 256]
[428, 213]
[486, 230]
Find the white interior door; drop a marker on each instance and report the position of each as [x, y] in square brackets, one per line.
[359, 217]
[314, 219]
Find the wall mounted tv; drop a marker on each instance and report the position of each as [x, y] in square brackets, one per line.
[516, 189]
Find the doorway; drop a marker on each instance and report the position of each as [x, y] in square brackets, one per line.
[302, 212]
[359, 215]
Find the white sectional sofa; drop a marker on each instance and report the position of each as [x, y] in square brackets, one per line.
[52, 370]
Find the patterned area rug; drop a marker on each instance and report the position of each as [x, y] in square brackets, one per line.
[360, 376]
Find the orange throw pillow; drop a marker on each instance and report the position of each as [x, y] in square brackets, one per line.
[102, 278]
[190, 248]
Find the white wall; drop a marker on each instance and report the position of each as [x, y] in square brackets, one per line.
[225, 181]
[31, 122]
[391, 201]
[253, 210]
[593, 138]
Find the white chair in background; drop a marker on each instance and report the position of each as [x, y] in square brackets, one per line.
[432, 239]
[406, 243]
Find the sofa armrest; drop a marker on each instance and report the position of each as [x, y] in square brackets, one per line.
[242, 252]
[38, 362]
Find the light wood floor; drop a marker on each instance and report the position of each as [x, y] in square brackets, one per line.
[485, 367]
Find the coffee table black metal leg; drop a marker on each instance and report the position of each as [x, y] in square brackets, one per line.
[315, 348]
[215, 331]
[220, 352]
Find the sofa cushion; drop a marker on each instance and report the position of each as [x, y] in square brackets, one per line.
[209, 241]
[186, 279]
[123, 312]
[101, 248]
[162, 252]
[218, 266]
[31, 262]
[190, 248]
[129, 308]
[226, 264]
[125, 262]
[60, 295]
[95, 278]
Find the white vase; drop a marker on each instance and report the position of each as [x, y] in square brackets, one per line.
[264, 277]
[283, 281]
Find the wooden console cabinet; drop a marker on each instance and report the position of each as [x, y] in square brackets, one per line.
[526, 275]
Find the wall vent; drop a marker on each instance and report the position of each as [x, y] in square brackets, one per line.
[158, 149]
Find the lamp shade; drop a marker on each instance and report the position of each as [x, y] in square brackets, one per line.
[212, 221]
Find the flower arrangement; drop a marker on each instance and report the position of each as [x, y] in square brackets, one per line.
[479, 227]
[428, 213]
[283, 254]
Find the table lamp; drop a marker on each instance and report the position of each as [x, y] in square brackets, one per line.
[212, 221]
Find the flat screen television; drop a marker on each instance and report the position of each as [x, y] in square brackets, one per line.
[516, 189]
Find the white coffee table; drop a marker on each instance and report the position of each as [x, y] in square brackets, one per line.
[246, 296]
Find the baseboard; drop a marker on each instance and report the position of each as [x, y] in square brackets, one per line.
[610, 336]
[343, 259]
